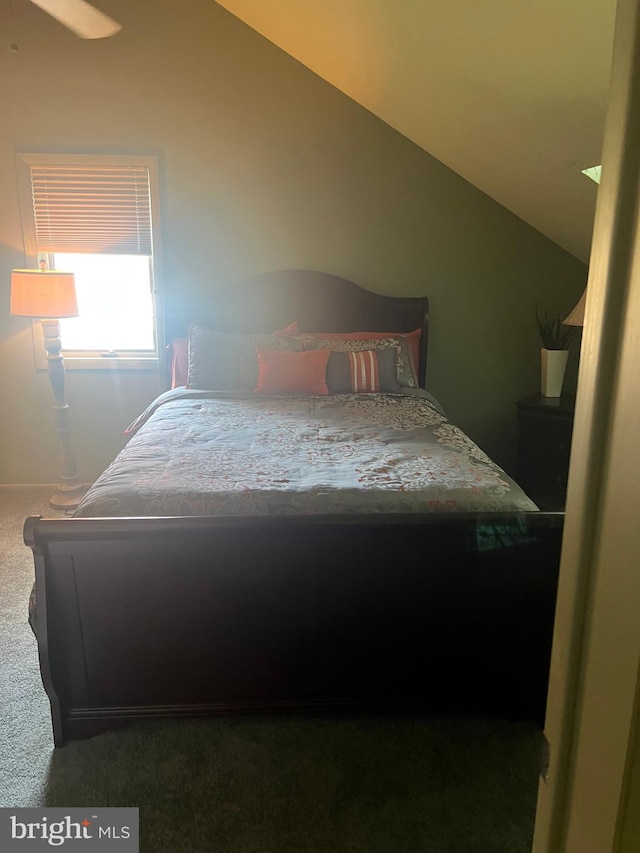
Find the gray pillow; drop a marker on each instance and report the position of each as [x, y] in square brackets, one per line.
[224, 362]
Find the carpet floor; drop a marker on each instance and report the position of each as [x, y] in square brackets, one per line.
[392, 783]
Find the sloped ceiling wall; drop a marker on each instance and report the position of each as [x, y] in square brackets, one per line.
[509, 95]
[264, 166]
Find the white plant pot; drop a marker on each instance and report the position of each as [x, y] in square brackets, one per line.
[553, 363]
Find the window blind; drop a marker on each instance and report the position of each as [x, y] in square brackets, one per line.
[93, 209]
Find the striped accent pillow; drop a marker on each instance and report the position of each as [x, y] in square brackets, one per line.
[365, 375]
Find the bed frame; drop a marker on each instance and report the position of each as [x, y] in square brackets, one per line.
[167, 617]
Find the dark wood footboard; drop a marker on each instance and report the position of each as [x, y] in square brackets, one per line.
[144, 617]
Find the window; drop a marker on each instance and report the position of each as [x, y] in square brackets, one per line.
[96, 216]
[104, 284]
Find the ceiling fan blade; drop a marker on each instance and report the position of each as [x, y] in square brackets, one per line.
[80, 17]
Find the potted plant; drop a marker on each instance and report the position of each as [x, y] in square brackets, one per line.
[555, 338]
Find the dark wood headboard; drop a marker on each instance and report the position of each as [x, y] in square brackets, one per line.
[318, 301]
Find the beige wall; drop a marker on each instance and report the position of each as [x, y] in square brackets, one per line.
[263, 166]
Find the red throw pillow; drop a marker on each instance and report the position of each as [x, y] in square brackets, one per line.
[178, 352]
[292, 372]
[288, 331]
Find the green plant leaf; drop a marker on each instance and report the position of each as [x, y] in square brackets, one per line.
[553, 333]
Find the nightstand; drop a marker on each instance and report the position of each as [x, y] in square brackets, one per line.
[545, 425]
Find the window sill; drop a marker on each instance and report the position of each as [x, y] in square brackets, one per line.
[98, 362]
[109, 362]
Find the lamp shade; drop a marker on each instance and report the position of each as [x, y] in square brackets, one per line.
[576, 317]
[43, 294]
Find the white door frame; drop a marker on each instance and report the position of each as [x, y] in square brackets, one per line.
[592, 715]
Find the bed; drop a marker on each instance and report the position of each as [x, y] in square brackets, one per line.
[299, 529]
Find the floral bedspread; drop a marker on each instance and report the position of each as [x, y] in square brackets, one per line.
[202, 453]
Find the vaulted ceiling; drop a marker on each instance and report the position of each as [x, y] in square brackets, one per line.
[510, 95]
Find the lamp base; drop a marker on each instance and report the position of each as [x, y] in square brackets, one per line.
[68, 497]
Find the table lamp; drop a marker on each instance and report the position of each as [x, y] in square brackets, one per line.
[576, 317]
